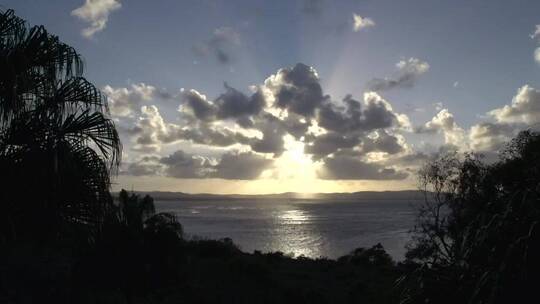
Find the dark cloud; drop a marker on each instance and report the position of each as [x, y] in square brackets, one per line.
[342, 131]
[297, 89]
[245, 122]
[206, 135]
[349, 125]
[349, 167]
[383, 84]
[352, 118]
[231, 165]
[272, 140]
[384, 142]
[151, 132]
[273, 130]
[220, 45]
[183, 165]
[222, 56]
[340, 119]
[146, 166]
[232, 104]
[378, 113]
[235, 104]
[199, 106]
[295, 126]
[406, 76]
[339, 135]
[243, 166]
[414, 159]
[329, 143]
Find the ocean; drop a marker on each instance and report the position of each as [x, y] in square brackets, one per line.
[313, 228]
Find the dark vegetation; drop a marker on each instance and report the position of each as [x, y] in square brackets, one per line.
[64, 239]
[478, 233]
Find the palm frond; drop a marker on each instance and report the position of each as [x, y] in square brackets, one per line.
[55, 131]
[94, 128]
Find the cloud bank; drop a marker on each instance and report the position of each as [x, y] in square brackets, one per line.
[248, 135]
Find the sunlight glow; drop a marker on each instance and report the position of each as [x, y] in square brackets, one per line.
[294, 164]
[295, 217]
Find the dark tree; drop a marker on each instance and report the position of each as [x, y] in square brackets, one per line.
[477, 239]
[138, 215]
[57, 142]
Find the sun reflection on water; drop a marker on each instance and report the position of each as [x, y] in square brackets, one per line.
[295, 233]
[294, 216]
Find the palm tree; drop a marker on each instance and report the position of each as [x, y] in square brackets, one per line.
[134, 211]
[139, 214]
[58, 145]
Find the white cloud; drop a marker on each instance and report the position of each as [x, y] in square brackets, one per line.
[286, 104]
[124, 101]
[412, 66]
[525, 108]
[96, 13]
[522, 113]
[149, 128]
[360, 23]
[487, 136]
[365, 134]
[443, 120]
[408, 72]
[445, 123]
[536, 33]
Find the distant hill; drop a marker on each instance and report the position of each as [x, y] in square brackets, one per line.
[363, 195]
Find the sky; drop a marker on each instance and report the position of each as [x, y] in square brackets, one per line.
[301, 96]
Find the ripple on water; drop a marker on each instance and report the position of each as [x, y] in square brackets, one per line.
[313, 229]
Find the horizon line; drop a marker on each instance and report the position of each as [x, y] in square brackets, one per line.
[277, 193]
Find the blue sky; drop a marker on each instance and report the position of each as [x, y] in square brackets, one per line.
[478, 53]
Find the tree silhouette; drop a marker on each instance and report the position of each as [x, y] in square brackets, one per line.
[477, 239]
[57, 142]
[138, 215]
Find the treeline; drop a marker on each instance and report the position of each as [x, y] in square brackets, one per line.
[65, 239]
[478, 235]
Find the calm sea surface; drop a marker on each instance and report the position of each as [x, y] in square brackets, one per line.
[312, 228]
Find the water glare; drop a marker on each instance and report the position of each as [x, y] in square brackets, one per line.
[307, 227]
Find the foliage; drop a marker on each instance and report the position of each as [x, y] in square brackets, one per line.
[55, 138]
[375, 255]
[477, 238]
[138, 216]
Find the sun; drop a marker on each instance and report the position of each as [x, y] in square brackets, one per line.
[293, 164]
